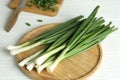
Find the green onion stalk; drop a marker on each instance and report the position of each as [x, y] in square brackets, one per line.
[47, 37]
[87, 24]
[78, 34]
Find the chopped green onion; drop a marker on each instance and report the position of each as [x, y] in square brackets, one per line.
[45, 4]
[28, 24]
[39, 20]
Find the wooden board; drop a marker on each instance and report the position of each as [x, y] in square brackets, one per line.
[78, 67]
[14, 3]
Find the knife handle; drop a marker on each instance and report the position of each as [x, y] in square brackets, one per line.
[12, 19]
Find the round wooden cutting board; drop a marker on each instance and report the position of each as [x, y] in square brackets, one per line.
[79, 67]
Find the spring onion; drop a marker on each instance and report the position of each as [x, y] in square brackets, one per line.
[61, 28]
[65, 40]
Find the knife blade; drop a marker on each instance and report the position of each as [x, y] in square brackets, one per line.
[13, 18]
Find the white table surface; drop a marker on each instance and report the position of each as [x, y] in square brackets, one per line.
[110, 10]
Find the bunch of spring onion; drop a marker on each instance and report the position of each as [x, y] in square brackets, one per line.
[64, 41]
